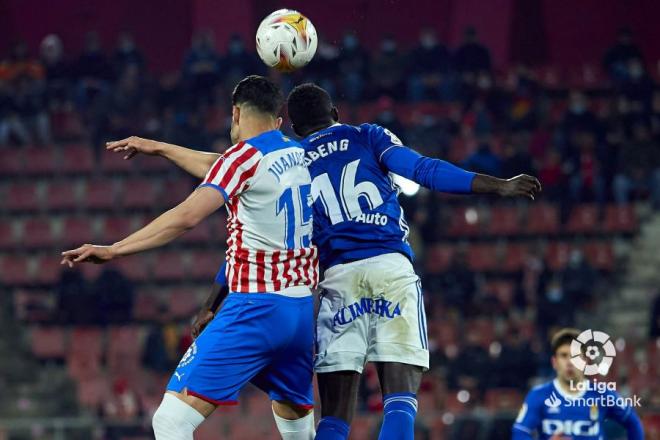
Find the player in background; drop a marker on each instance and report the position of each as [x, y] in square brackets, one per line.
[554, 411]
[372, 308]
[263, 332]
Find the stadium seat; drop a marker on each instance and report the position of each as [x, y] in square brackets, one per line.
[14, 270]
[11, 162]
[40, 160]
[38, 232]
[620, 219]
[100, 194]
[47, 268]
[542, 219]
[77, 231]
[169, 266]
[124, 349]
[77, 159]
[146, 307]
[135, 267]
[464, 222]
[516, 255]
[22, 197]
[557, 255]
[503, 399]
[8, 236]
[152, 164]
[62, 195]
[116, 228]
[363, 428]
[140, 194]
[48, 342]
[583, 219]
[115, 163]
[92, 392]
[83, 365]
[600, 254]
[200, 234]
[504, 220]
[184, 303]
[483, 257]
[204, 265]
[176, 191]
[438, 257]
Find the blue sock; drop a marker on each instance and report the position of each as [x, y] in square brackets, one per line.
[332, 428]
[399, 411]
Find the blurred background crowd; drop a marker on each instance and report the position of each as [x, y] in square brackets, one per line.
[498, 277]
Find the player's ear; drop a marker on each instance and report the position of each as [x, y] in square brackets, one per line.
[235, 113]
[278, 122]
[335, 114]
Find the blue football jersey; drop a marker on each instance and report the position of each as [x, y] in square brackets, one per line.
[549, 410]
[356, 211]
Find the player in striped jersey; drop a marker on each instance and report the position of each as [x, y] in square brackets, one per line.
[263, 333]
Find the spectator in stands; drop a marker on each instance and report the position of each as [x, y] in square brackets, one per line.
[58, 72]
[387, 70]
[517, 159]
[578, 280]
[75, 302]
[472, 56]
[484, 161]
[552, 175]
[115, 296]
[459, 284]
[429, 64]
[577, 119]
[20, 64]
[161, 349]
[127, 55]
[654, 327]
[353, 63]
[617, 57]
[12, 127]
[323, 67]
[387, 118]
[514, 367]
[470, 370]
[201, 67]
[586, 179]
[639, 168]
[29, 105]
[239, 62]
[554, 307]
[120, 408]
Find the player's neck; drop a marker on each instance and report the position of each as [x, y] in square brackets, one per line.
[566, 386]
[319, 128]
[253, 128]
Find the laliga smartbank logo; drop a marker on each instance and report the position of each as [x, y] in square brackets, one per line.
[592, 353]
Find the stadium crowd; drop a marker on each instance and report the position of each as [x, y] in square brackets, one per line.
[591, 138]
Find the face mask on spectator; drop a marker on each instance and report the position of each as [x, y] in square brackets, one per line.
[350, 42]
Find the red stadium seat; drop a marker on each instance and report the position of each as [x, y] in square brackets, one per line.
[600, 255]
[115, 163]
[438, 257]
[169, 266]
[92, 392]
[48, 342]
[543, 219]
[47, 268]
[22, 197]
[100, 194]
[464, 222]
[37, 232]
[77, 231]
[557, 255]
[516, 255]
[504, 220]
[135, 267]
[152, 164]
[176, 191]
[503, 399]
[620, 219]
[83, 365]
[124, 348]
[205, 265]
[40, 160]
[86, 339]
[482, 257]
[140, 193]
[147, 306]
[11, 162]
[61, 196]
[116, 228]
[200, 233]
[14, 270]
[77, 159]
[584, 218]
[8, 236]
[183, 303]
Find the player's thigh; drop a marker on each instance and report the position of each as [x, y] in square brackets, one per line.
[343, 320]
[397, 331]
[395, 377]
[227, 355]
[288, 377]
[338, 391]
[201, 406]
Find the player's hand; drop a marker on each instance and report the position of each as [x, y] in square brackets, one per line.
[134, 145]
[200, 322]
[521, 185]
[88, 253]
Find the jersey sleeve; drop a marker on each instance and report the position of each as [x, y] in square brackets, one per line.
[624, 415]
[231, 172]
[380, 139]
[529, 417]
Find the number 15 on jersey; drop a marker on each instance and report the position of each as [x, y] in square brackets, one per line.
[295, 205]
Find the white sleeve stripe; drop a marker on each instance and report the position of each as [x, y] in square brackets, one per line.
[522, 428]
[227, 162]
[386, 150]
[239, 176]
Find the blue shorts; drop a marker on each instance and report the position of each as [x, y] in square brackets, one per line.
[262, 338]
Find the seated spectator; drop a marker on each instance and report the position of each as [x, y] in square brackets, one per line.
[552, 175]
[517, 159]
[126, 55]
[19, 64]
[75, 303]
[484, 161]
[617, 57]
[238, 62]
[459, 284]
[586, 181]
[429, 65]
[387, 70]
[472, 56]
[578, 280]
[161, 351]
[353, 63]
[115, 296]
[58, 72]
[577, 119]
[201, 66]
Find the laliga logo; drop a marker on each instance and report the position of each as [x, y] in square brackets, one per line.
[597, 348]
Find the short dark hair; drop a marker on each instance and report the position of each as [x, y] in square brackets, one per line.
[562, 337]
[260, 93]
[309, 107]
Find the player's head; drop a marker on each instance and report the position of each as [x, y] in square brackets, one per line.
[256, 102]
[310, 109]
[561, 355]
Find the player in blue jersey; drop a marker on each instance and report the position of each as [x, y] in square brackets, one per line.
[562, 409]
[371, 307]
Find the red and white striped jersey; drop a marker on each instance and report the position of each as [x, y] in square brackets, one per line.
[266, 187]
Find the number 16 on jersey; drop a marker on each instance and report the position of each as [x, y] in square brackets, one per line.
[295, 205]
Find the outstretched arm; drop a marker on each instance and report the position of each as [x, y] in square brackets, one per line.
[199, 205]
[192, 161]
[442, 176]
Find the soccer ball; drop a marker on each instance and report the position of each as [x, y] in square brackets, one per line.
[286, 40]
